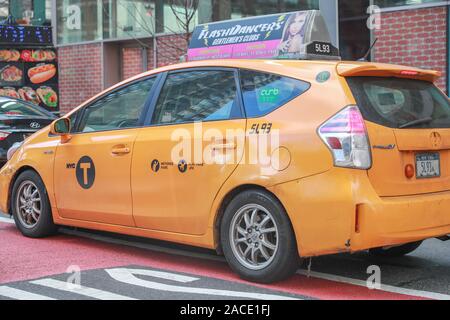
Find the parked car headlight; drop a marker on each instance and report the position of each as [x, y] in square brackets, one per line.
[13, 150]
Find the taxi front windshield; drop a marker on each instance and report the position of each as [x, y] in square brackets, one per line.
[401, 103]
[15, 108]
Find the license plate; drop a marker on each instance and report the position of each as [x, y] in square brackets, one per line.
[428, 165]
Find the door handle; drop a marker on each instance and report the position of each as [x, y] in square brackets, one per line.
[119, 150]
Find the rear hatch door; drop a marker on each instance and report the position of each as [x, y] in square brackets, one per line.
[408, 122]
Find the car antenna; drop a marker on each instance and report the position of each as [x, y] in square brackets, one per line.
[369, 51]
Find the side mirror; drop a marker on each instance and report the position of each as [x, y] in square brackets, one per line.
[61, 127]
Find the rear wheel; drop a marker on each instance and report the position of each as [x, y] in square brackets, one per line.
[257, 238]
[398, 251]
[30, 206]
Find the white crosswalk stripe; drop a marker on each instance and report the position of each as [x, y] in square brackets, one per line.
[81, 290]
[18, 294]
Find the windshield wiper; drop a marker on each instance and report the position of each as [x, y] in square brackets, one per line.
[416, 122]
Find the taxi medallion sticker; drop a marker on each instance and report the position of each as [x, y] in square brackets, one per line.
[85, 172]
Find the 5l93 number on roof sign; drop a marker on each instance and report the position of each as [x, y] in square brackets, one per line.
[321, 48]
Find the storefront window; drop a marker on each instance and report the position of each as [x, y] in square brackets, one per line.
[174, 16]
[27, 12]
[236, 9]
[79, 20]
[128, 19]
[247, 8]
[88, 20]
[395, 3]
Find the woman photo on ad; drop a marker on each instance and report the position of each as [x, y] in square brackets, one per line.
[293, 34]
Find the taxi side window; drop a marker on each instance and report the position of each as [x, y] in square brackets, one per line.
[120, 109]
[204, 95]
[264, 92]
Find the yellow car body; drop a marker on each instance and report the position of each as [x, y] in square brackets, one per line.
[332, 209]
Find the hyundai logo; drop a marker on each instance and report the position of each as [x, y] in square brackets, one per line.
[35, 125]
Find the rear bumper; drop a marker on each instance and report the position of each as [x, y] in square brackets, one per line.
[400, 220]
[339, 211]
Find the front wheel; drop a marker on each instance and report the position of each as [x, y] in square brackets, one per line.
[30, 206]
[397, 251]
[257, 238]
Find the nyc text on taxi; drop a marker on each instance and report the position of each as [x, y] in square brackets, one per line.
[363, 162]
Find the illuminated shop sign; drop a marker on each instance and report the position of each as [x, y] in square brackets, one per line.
[25, 35]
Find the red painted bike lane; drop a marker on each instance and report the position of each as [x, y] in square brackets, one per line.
[23, 259]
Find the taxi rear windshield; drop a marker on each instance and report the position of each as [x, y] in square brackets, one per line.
[401, 103]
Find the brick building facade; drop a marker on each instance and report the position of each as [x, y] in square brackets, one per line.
[80, 74]
[415, 38]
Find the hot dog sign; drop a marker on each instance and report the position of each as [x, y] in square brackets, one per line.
[41, 73]
[31, 75]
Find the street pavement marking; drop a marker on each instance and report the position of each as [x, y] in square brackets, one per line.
[6, 220]
[331, 277]
[386, 288]
[161, 275]
[18, 294]
[81, 290]
[127, 276]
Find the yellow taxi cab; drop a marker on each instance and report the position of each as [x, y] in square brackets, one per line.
[358, 158]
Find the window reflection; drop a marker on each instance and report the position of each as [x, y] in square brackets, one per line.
[197, 96]
[120, 109]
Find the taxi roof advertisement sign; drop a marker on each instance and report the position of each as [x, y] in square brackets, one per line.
[287, 35]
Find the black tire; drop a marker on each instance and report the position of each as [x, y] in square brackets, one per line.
[44, 226]
[285, 259]
[398, 251]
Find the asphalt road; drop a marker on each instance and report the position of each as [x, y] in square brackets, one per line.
[121, 267]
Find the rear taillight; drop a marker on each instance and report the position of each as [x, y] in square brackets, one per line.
[346, 136]
[4, 135]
